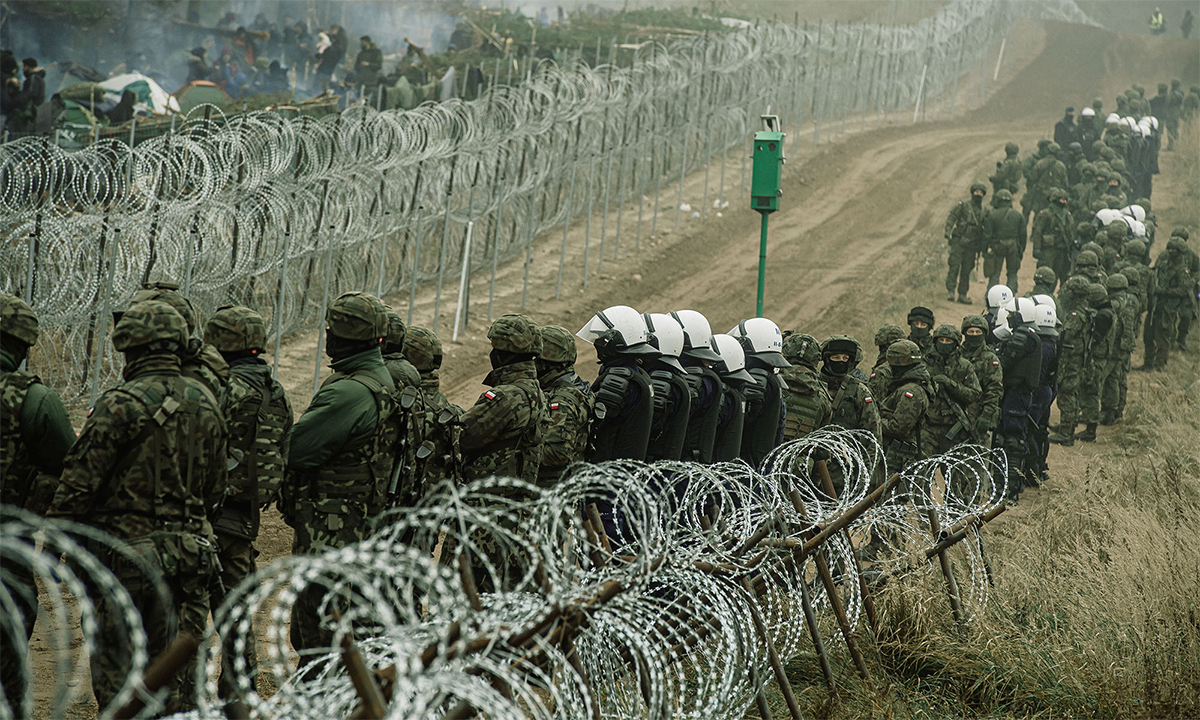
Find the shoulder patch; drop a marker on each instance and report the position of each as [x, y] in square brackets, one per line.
[995, 363]
[869, 399]
[872, 376]
[490, 395]
[553, 406]
[907, 394]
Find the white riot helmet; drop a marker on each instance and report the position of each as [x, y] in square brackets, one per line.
[1112, 119]
[1130, 122]
[1137, 228]
[731, 359]
[1146, 131]
[1044, 300]
[1045, 317]
[619, 329]
[1001, 331]
[1025, 308]
[1154, 122]
[1137, 212]
[1107, 216]
[999, 296]
[666, 334]
[761, 338]
[696, 335]
[1087, 112]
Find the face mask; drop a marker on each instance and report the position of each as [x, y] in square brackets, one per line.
[837, 368]
[944, 349]
[972, 342]
[919, 332]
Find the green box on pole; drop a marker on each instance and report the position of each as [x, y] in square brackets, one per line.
[767, 179]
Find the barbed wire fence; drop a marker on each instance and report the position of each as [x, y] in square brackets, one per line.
[501, 599]
[283, 213]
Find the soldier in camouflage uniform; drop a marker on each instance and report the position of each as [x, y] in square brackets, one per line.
[1045, 281]
[201, 362]
[1138, 277]
[1004, 237]
[1008, 171]
[1048, 172]
[902, 412]
[1074, 358]
[149, 468]
[1101, 352]
[808, 404]
[1029, 199]
[1053, 234]
[414, 416]
[502, 431]
[854, 407]
[881, 372]
[920, 328]
[259, 418]
[423, 349]
[964, 233]
[955, 388]
[1123, 340]
[1088, 265]
[342, 452]
[984, 412]
[402, 371]
[35, 436]
[1191, 310]
[569, 403]
[1174, 289]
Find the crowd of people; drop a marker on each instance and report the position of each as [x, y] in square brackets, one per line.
[181, 458]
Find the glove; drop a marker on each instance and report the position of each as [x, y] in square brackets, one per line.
[941, 381]
[983, 425]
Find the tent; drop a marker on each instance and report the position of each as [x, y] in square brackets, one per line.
[199, 92]
[151, 98]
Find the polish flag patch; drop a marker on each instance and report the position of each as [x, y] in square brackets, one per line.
[553, 406]
[490, 395]
[908, 394]
[869, 399]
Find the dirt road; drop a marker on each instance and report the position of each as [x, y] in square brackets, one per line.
[858, 242]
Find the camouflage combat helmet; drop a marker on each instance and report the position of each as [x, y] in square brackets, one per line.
[1088, 169]
[1133, 249]
[1087, 258]
[1043, 144]
[397, 330]
[236, 328]
[1077, 285]
[1101, 237]
[1118, 164]
[946, 330]
[1075, 147]
[803, 349]
[17, 319]
[1054, 148]
[1116, 231]
[1011, 148]
[558, 344]
[150, 322]
[357, 316]
[1181, 232]
[903, 353]
[1145, 203]
[974, 321]
[168, 292]
[1177, 243]
[1096, 294]
[887, 335]
[1116, 282]
[1054, 193]
[980, 187]
[515, 334]
[837, 344]
[1004, 195]
[1044, 275]
[423, 349]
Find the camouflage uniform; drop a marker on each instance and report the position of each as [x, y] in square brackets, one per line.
[881, 372]
[1045, 281]
[502, 431]
[259, 418]
[1088, 266]
[35, 436]
[1174, 290]
[902, 412]
[1053, 235]
[569, 403]
[1029, 200]
[1191, 310]
[1139, 278]
[1048, 172]
[1074, 358]
[964, 233]
[1008, 171]
[808, 404]
[1004, 236]
[984, 412]
[201, 362]
[955, 386]
[149, 468]
[854, 407]
[403, 373]
[923, 337]
[442, 417]
[1124, 336]
[415, 427]
[341, 457]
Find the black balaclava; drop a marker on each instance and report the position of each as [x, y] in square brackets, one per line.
[340, 348]
[973, 342]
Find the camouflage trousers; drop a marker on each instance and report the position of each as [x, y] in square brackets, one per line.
[237, 563]
[13, 665]
[1110, 377]
[1070, 395]
[1162, 328]
[1003, 254]
[961, 262]
[186, 571]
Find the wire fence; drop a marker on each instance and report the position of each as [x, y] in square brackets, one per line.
[283, 213]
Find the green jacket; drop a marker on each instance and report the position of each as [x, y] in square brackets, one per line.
[854, 407]
[960, 384]
[502, 431]
[1001, 224]
[1053, 229]
[34, 432]
[341, 415]
[985, 411]
[964, 224]
[806, 400]
[569, 403]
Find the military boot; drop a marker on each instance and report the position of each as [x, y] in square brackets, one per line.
[1089, 433]
[963, 299]
[1065, 435]
[1106, 417]
[950, 296]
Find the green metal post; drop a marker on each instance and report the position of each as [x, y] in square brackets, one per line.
[762, 266]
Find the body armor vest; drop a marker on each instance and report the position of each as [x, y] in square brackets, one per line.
[728, 443]
[702, 421]
[672, 406]
[16, 471]
[808, 403]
